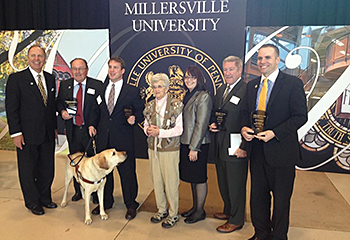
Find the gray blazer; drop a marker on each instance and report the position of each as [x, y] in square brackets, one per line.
[196, 116]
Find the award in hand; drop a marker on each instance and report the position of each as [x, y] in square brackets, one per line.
[128, 111]
[71, 106]
[220, 118]
[258, 121]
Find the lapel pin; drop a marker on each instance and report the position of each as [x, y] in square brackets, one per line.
[69, 87]
[31, 83]
[52, 89]
[256, 86]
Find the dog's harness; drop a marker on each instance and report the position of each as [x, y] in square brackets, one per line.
[84, 179]
[76, 165]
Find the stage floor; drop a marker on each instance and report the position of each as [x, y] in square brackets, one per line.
[320, 210]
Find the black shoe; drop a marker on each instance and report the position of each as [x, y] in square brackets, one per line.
[76, 197]
[191, 220]
[95, 200]
[188, 213]
[50, 205]
[130, 214]
[37, 210]
[96, 210]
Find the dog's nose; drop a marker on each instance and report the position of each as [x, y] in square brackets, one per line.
[123, 152]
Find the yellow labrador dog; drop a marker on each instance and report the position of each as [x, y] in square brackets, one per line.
[91, 173]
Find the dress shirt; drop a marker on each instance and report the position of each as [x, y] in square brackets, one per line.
[166, 133]
[270, 83]
[117, 87]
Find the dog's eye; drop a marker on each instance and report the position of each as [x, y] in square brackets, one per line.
[113, 153]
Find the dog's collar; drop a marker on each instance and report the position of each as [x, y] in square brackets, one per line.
[84, 179]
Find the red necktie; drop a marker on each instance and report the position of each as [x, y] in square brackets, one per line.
[79, 114]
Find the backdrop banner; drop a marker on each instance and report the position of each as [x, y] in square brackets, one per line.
[168, 36]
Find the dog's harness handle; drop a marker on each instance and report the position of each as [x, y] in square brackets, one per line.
[84, 179]
[93, 141]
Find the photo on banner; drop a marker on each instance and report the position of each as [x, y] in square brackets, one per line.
[61, 47]
[319, 56]
[168, 36]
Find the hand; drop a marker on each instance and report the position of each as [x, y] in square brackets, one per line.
[239, 153]
[65, 115]
[153, 131]
[247, 133]
[131, 120]
[193, 156]
[19, 141]
[213, 127]
[92, 131]
[265, 136]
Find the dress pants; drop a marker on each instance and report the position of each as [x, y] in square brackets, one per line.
[79, 143]
[166, 180]
[232, 180]
[266, 179]
[36, 172]
[128, 180]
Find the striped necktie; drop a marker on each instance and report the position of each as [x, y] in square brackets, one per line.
[111, 100]
[263, 95]
[42, 89]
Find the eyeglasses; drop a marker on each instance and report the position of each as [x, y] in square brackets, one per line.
[190, 77]
[159, 86]
[78, 69]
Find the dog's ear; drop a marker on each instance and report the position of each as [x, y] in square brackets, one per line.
[102, 162]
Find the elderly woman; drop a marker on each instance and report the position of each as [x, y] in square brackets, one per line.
[163, 127]
[195, 141]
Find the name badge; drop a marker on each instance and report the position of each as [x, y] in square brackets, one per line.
[235, 100]
[91, 91]
[99, 99]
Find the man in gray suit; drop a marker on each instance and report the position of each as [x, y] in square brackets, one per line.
[231, 167]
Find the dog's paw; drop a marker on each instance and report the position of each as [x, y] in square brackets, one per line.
[104, 216]
[88, 221]
[63, 204]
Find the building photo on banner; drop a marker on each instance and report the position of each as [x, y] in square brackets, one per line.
[91, 45]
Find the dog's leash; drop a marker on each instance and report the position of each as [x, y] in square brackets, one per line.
[93, 141]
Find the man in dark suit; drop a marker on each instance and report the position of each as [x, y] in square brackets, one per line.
[231, 167]
[114, 116]
[275, 149]
[76, 129]
[31, 115]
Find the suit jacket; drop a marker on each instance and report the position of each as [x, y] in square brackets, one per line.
[196, 116]
[66, 93]
[232, 123]
[286, 113]
[25, 108]
[114, 130]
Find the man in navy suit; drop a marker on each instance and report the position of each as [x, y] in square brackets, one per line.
[114, 122]
[77, 132]
[31, 116]
[273, 151]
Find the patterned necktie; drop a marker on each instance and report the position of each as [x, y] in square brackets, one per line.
[227, 91]
[111, 100]
[262, 97]
[79, 114]
[42, 89]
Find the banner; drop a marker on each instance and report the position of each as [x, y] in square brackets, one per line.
[168, 36]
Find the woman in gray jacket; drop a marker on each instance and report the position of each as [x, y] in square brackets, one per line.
[195, 141]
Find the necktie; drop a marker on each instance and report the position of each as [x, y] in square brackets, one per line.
[111, 100]
[262, 97]
[42, 89]
[227, 91]
[79, 114]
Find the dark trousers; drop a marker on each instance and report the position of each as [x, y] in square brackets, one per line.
[232, 180]
[264, 180]
[79, 143]
[128, 179]
[36, 172]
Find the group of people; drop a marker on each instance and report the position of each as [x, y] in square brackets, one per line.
[180, 137]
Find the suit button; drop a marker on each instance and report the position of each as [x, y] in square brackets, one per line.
[110, 119]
